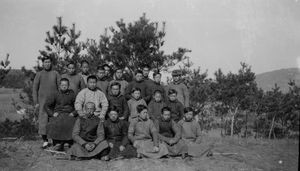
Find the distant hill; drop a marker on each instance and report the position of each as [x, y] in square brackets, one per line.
[281, 77]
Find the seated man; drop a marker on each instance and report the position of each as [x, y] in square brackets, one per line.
[169, 132]
[62, 115]
[116, 131]
[88, 136]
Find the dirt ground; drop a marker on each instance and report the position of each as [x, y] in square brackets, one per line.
[250, 154]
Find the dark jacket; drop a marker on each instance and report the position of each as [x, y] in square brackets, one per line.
[116, 131]
[154, 109]
[121, 103]
[142, 85]
[176, 109]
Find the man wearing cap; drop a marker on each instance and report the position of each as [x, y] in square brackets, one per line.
[180, 87]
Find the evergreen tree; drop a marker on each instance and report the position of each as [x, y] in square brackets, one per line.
[4, 68]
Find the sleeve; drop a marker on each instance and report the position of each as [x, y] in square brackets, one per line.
[186, 96]
[35, 88]
[50, 105]
[125, 109]
[75, 133]
[79, 101]
[100, 133]
[198, 133]
[128, 91]
[82, 83]
[154, 133]
[181, 110]
[73, 102]
[131, 129]
[150, 111]
[177, 130]
[125, 140]
[104, 104]
[148, 92]
[58, 77]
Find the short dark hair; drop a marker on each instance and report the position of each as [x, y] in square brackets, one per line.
[84, 61]
[141, 107]
[93, 77]
[188, 109]
[46, 58]
[138, 72]
[172, 91]
[146, 66]
[156, 73]
[113, 108]
[157, 91]
[64, 79]
[166, 108]
[135, 89]
[71, 63]
[100, 68]
[114, 84]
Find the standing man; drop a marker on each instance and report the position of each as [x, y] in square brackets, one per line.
[108, 74]
[102, 82]
[46, 82]
[85, 70]
[76, 82]
[180, 87]
[146, 70]
[119, 79]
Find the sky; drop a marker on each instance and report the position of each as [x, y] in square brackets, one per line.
[221, 33]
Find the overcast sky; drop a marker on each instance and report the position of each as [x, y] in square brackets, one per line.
[220, 33]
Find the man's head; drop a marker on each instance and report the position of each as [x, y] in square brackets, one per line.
[142, 111]
[92, 82]
[157, 95]
[138, 75]
[115, 88]
[146, 70]
[100, 72]
[106, 69]
[157, 77]
[90, 108]
[172, 93]
[188, 114]
[166, 113]
[71, 68]
[176, 74]
[84, 67]
[119, 73]
[136, 93]
[113, 113]
[47, 63]
[64, 84]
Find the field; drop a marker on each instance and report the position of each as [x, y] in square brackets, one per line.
[248, 154]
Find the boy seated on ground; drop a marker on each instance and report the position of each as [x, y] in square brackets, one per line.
[116, 131]
[135, 100]
[175, 105]
[170, 133]
[144, 136]
[62, 116]
[88, 136]
[191, 134]
[156, 105]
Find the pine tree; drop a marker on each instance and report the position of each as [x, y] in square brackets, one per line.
[4, 68]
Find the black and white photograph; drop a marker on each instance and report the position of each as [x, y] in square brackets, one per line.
[149, 85]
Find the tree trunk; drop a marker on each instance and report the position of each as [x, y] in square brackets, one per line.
[271, 128]
[246, 124]
[232, 121]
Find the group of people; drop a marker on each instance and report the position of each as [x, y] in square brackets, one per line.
[103, 116]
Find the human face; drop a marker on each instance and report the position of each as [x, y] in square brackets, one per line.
[101, 73]
[157, 78]
[90, 108]
[146, 72]
[138, 77]
[71, 69]
[107, 71]
[157, 97]
[47, 64]
[113, 115]
[176, 78]
[119, 74]
[188, 116]
[143, 114]
[166, 115]
[136, 95]
[85, 68]
[92, 83]
[64, 85]
[115, 90]
[172, 97]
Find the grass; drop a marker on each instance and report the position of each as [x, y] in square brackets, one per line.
[7, 110]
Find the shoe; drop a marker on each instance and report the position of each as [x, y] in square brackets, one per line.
[105, 158]
[45, 145]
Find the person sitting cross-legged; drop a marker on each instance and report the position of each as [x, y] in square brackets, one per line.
[88, 136]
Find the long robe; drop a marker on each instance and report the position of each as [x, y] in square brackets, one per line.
[45, 83]
[192, 135]
[168, 130]
[144, 136]
[116, 133]
[60, 127]
[182, 92]
[76, 82]
[154, 109]
[87, 129]
[120, 102]
[132, 104]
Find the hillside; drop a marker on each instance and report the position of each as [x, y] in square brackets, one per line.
[281, 77]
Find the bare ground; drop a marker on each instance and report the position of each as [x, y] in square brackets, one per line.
[251, 155]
